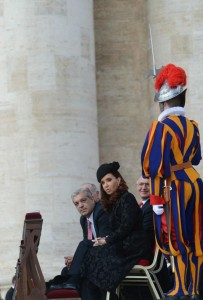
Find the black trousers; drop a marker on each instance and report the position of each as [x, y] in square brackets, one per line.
[79, 255]
[89, 291]
[72, 274]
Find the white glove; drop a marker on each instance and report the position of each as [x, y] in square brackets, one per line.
[158, 209]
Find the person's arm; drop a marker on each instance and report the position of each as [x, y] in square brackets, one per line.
[197, 153]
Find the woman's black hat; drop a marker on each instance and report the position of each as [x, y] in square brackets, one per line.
[107, 168]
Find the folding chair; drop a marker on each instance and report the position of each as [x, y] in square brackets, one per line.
[141, 275]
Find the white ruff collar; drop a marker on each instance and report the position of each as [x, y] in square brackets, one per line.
[172, 111]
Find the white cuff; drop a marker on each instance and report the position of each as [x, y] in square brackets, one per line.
[158, 209]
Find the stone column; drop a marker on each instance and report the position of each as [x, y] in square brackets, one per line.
[48, 124]
[177, 34]
[121, 33]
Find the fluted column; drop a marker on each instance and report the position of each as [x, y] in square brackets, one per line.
[48, 124]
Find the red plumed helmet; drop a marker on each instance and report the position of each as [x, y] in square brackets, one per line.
[169, 82]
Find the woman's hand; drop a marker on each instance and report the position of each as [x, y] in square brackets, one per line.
[100, 241]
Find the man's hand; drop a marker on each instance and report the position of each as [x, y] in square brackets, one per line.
[158, 209]
[100, 241]
[68, 260]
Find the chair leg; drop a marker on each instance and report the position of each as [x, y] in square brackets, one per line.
[118, 290]
[152, 287]
[158, 285]
[108, 295]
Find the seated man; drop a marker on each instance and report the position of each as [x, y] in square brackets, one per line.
[97, 211]
[165, 276]
[144, 189]
[95, 223]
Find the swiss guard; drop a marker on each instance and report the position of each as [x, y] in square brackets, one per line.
[171, 149]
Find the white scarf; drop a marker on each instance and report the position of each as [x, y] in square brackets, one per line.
[172, 111]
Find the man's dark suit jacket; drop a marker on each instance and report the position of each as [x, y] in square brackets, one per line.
[9, 294]
[147, 216]
[148, 225]
[102, 228]
[71, 277]
[163, 274]
[101, 222]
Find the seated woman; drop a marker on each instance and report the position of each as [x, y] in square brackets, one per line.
[109, 261]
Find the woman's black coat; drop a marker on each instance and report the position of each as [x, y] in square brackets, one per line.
[107, 265]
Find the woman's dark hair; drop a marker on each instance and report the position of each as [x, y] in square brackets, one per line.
[108, 201]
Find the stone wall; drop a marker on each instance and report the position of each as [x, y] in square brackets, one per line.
[123, 57]
[48, 110]
[177, 34]
[48, 124]
[121, 35]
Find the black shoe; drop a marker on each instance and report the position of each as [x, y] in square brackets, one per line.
[170, 298]
[195, 297]
[63, 286]
[177, 298]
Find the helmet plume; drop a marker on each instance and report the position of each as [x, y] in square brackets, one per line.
[171, 74]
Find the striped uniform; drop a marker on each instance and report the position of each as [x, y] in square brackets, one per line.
[173, 141]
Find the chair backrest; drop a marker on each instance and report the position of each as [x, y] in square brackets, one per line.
[30, 283]
[140, 274]
[155, 263]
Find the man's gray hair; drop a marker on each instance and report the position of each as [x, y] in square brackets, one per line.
[94, 187]
[86, 191]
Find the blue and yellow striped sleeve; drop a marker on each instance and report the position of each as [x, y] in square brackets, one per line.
[155, 159]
